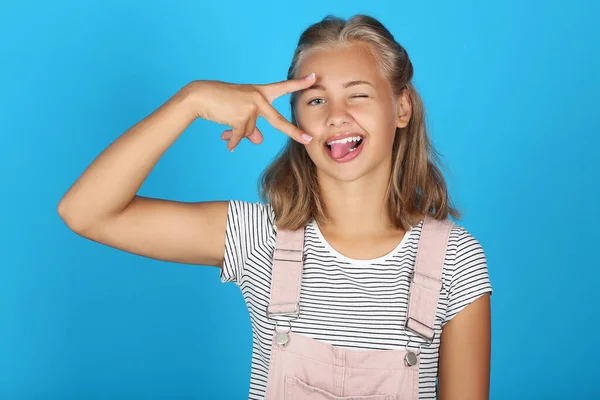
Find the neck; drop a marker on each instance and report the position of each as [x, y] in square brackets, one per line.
[357, 208]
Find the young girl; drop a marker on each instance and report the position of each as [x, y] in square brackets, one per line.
[357, 283]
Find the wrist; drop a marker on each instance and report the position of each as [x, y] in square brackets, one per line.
[190, 98]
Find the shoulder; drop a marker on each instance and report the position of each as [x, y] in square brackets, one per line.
[251, 223]
[466, 270]
[251, 213]
[464, 247]
[250, 231]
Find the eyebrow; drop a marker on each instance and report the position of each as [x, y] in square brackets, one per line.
[318, 86]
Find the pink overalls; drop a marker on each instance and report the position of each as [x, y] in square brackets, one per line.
[302, 368]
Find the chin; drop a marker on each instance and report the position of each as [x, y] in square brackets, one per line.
[348, 172]
[348, 176]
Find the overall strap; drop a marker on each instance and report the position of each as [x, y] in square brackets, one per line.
[287, 273]
[427, 277]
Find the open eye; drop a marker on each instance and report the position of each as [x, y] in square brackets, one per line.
[312, 102]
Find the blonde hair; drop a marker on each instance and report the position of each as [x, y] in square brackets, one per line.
[416, 185]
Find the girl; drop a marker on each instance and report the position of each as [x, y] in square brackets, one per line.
[357, 283]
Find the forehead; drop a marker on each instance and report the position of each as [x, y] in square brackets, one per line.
[341, 63]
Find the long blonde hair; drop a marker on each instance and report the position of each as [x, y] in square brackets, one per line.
[416, 185]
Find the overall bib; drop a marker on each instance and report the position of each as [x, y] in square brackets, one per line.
[302, 368]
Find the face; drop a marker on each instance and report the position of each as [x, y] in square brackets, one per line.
[350, 112]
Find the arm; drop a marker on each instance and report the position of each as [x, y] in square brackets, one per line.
[465, 345]
[102, 204]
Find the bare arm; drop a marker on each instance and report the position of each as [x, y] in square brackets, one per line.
[464, 364]
[103, 205]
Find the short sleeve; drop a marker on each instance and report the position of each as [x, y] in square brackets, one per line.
[249, 226]
[469, 276]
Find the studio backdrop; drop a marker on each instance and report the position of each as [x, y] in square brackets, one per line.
[511, 95]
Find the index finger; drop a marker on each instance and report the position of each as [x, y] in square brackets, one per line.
[274, 90]
[280, 123]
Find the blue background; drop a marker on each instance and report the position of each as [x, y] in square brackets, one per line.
[510, 88]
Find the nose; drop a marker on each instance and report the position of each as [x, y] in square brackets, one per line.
[338, 114]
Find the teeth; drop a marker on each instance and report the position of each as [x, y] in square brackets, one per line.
[345, 140]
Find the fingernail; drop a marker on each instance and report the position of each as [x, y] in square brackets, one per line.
[306, 137]
[310, 77]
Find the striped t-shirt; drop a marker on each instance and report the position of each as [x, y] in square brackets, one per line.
[353, 304]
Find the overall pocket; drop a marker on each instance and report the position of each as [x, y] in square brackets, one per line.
[296, 389]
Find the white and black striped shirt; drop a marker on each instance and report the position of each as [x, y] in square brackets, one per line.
[359, 304]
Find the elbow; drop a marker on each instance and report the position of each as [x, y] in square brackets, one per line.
[70, 218]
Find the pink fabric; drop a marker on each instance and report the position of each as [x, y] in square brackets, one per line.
[427, 278]
[307, 369]
[287, 272]
[310, 369]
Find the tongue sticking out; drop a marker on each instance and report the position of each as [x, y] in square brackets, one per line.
[339, 150]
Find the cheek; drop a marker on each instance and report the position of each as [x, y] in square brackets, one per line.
[375, 120]
[386, 120]
[306, 118]
[316, 154]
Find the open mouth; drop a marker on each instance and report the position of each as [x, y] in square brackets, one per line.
[345, 149]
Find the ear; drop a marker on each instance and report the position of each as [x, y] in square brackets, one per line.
[403, 109]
